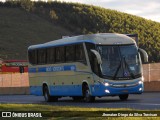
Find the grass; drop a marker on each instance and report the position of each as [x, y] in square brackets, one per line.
[68, 112]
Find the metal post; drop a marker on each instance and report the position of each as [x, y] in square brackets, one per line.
[149, 70]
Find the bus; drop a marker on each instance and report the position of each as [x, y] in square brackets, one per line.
[86, 66]
[14, 66]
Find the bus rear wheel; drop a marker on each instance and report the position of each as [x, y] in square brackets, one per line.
[123, 97]
[47, 96]
[87, 95]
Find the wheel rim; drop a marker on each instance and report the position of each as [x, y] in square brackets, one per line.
[87, 95]
[46, 95]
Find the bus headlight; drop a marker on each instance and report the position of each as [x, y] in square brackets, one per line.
[106, 84]
[107, 91]
[140, 82]
[140, 89]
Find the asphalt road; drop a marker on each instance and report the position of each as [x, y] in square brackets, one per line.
[145, 101]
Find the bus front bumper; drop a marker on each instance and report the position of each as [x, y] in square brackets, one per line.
[102, 90]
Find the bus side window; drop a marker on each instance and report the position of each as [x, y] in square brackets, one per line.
[70, 53]
[32, 55]
[80, 55]
[50, 55]
[60, 54]
[41, 56]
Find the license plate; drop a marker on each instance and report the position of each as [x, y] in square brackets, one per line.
[124, 90]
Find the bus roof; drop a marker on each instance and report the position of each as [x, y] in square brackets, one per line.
[100, 38]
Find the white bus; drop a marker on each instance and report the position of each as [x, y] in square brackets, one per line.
[86, 66]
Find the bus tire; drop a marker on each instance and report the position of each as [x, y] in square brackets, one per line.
[47, 96]
[123, 97]
[87, 95]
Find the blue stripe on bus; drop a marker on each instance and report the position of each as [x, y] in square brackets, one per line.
[65, 90]
[53, 68]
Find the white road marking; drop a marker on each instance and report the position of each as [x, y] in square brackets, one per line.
[134, 104]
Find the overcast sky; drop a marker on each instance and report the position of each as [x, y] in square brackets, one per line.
[149, 9]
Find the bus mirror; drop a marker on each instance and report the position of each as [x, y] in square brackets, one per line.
[145, 55]
[97, 56]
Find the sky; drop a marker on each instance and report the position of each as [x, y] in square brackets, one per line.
[149, 9]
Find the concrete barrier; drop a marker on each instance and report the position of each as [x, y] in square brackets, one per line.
[151, 72]
[14, 90]
[14, 83]
[153, 86]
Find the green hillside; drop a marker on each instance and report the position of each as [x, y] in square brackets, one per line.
[19, 29]
[36, 22]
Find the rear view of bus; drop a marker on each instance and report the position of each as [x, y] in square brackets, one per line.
[111, 66]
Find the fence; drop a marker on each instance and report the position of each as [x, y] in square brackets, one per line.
[17, 83]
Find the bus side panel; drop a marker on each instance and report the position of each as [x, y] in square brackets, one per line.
[35, 82]
[66, 90]
[67, 82]
[70, 85]
[35, 85]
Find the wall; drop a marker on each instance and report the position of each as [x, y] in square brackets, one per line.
[14, 83]
[151, 74]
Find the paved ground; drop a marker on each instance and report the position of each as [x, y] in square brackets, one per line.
[144, 101]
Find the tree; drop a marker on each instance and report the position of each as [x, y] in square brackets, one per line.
[28, 5]
[53, 15]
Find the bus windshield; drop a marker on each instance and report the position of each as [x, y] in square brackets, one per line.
[120, 62]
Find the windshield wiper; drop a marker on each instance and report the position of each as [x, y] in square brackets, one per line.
[126, 64]
[130, 72]
[117, 70]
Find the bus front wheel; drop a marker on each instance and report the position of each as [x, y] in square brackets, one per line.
[87, 95]
[47, 96]
[123, 97]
